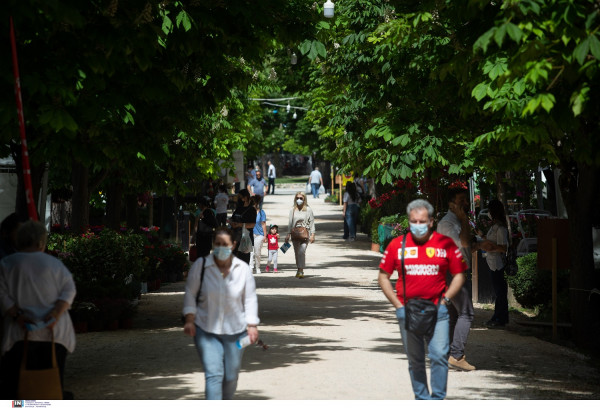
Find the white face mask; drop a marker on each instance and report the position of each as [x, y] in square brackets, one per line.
[299, 202]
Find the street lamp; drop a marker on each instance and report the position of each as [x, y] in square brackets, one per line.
[288, 107]
[295, 115]
[294, 59]
[328, 9]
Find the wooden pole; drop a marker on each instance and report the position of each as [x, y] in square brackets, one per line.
[554, 290]
[332, 178]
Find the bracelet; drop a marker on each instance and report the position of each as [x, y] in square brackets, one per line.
[447, 300]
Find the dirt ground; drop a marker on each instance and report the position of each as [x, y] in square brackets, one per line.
[330, 336]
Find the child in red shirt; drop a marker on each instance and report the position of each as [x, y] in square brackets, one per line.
[273, 246]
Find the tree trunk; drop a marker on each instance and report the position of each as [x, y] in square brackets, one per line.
[578, 186]
[81, 197]
[131, 203]
[114, 195]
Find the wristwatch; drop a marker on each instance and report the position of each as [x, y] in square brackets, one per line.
[447, 300]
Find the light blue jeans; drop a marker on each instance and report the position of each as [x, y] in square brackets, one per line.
[351, 218]
[315, 189]
[438, 348]
[222, 361]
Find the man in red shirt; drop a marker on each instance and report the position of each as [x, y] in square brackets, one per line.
[428, 256]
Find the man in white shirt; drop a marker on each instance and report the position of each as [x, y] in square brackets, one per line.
[316, 180]
[271, 174]
[455, 224]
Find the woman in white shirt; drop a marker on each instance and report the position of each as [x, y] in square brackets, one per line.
[220, 309]
[34, 287]
[302, 215]
[495, 245]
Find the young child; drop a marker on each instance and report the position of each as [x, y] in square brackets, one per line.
[221, 202]
[273, 246]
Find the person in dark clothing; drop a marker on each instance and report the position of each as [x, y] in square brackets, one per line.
[245, 213]
[8, 235]
[206, 223]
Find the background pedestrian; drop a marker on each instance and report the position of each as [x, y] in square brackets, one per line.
[455, 224]
[273, 247]
[495, 245]
[221, 204]
[34, 287]
[271, 175]
[316, 181]
[350, 211]
[301, 214]
[245, 213]
[259, 231]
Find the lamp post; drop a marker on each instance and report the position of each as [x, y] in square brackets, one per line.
[328, 9]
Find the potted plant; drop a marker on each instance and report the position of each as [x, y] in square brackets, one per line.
[82, 313]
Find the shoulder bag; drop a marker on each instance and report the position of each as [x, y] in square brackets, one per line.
[421, 314]
[299, 232]
[199, 289]
[245, 243]
[39, 384]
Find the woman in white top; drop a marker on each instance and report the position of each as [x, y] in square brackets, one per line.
[302, 215]
[351, 211]
[220, 309]
[34, 287]
[495, 245]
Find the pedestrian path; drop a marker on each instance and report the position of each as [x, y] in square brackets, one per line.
[331, 335]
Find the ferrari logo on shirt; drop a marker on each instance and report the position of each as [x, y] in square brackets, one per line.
[409, 252]
[430, 252]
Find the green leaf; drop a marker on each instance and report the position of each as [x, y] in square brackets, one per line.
[547, 101]
[480, 91]
[320, 48]
[500, 34]
[484, 40]
[305, 47]
[590, 19]
[595, 46]
[514, 32]
[183, 19]
[519, 87]
[581, 51]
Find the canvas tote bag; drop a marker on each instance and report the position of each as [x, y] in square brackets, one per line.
[39, 384]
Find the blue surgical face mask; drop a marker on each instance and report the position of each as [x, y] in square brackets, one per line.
[222, 252]
[419, 230]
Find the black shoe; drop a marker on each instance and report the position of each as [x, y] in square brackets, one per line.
[494, 323]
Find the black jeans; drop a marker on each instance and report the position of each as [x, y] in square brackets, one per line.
[501, 291]
[271, 183]
[39, 356]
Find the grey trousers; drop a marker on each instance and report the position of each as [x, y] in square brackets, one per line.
[461, 316]
[300, 252]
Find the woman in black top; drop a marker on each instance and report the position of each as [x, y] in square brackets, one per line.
[244, 213]
[206, 223]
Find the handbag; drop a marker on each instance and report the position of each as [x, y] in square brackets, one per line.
[41, 384]
[421, 314]
[245, 243]
[299, 232]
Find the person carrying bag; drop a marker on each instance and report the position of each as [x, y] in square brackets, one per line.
[422, 258]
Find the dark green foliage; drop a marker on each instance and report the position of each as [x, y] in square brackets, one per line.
[533, 287]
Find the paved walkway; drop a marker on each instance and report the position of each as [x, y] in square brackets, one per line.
[332, 335]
